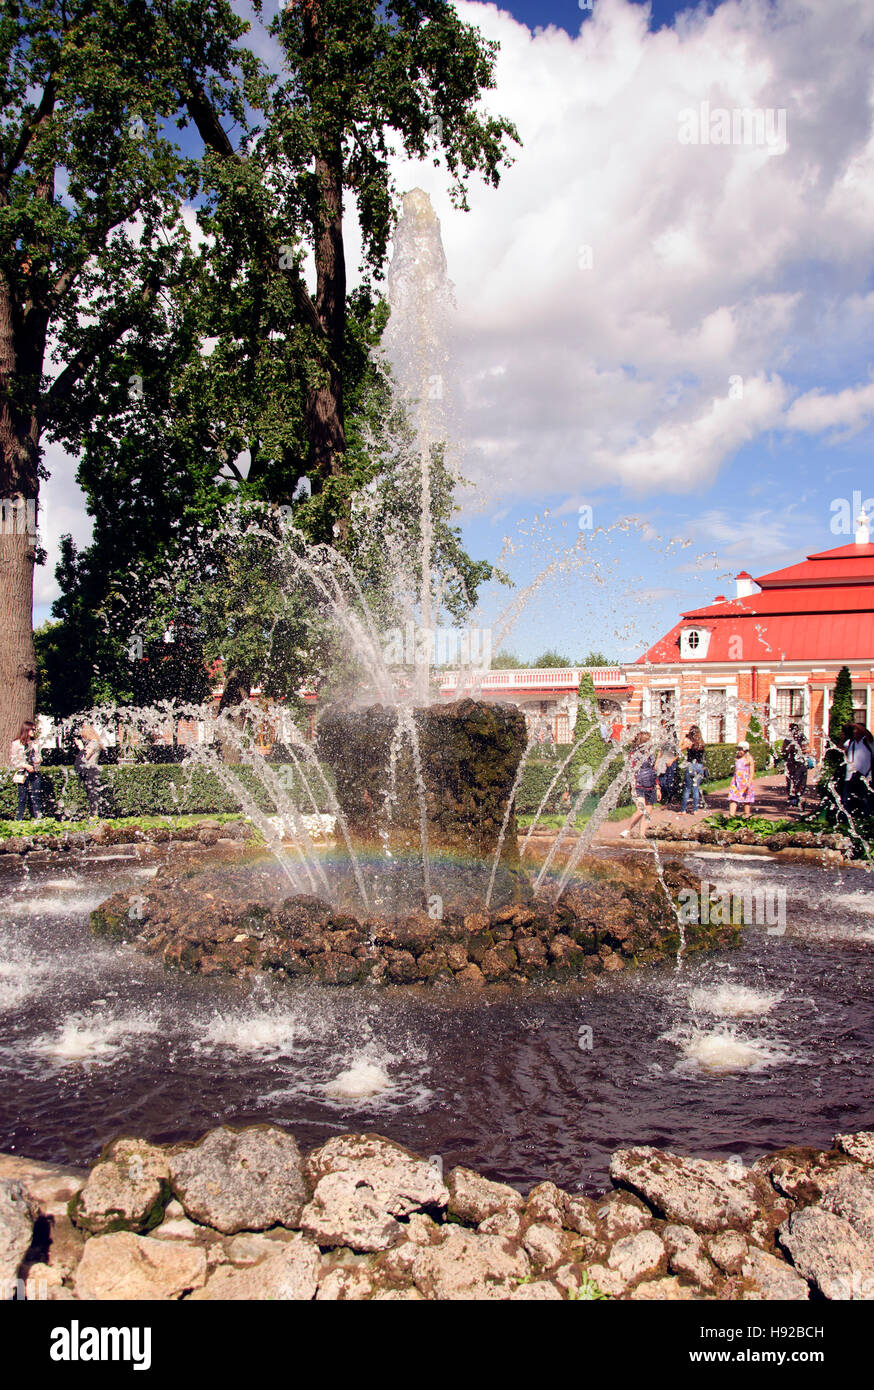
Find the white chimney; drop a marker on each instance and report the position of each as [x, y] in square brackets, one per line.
[744, 585]
[863, 536]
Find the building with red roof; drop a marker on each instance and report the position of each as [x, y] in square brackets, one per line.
[775, 649]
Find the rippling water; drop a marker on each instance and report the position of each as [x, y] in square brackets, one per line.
[734, 1054]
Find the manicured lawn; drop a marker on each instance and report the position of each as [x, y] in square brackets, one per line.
[48, 826]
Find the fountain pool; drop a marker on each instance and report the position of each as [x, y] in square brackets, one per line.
[735, 1053]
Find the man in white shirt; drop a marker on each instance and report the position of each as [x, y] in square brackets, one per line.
[859, 753]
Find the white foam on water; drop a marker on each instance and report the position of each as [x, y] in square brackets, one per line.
[729, 1000]
[721, 1051]
[19, 977]
[53, 904]
[273, 1034]
[855, 902]
[91, 1038]
[359, 1082]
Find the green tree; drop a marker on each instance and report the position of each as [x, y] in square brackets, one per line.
[286, 405]
[597, 659]
[552, 660]
[362, 77]
[90, 189]
[840, 713]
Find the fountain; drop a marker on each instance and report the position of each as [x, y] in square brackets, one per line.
[426, 883]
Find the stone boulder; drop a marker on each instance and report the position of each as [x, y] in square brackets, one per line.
[851, 1194]
[401, 1182]
[128, 1266]
[641, 1256]
[857, 1146]
[289, 1273]
[467, 1265]
[241, 1180]
[346, 1211]
[18, 1212]
[695, 1192]
[127, 1189]
[829, 1253]
[774, 1280]
[475, 1199]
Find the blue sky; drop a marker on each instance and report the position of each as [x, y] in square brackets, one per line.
[673, 329]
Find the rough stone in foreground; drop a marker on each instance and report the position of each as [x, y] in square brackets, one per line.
[468, 1265]
[475, 1199]
[17, 1214]
[638, 1256]
[345, 1211]
[127, 1189]
[829, 1253]
[774, 1280]
[692, 1191]
[291, 1273]
[851, 1195]
[400, 1181]
[127, 1266]
[241, 1180]
[858, 1146]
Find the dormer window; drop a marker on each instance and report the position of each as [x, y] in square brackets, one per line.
[694, 642]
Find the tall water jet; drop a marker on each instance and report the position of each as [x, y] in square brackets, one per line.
[416, 345]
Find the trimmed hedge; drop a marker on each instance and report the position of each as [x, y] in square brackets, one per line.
[160, 789]
[156, 789]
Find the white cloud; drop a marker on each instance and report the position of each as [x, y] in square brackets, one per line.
[815, 412]
[700, 255]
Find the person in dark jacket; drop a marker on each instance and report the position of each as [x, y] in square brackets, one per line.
[646, 782]
[795, 752]
[693, 747]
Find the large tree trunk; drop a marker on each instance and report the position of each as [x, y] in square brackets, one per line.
[19, 490]
[327, 431]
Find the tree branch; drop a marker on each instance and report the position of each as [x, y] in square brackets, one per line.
[102, 336]
[203, 114]
[31, 124]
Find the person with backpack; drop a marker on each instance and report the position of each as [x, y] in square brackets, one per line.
[668, 769]
[646, 785]
[696, 771]
[795, 753]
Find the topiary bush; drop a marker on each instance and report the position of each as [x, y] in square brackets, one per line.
[719, 759]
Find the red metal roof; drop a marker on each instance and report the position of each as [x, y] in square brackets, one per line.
[847, 598]
[792, 637]
[852, 564]
[822, 609]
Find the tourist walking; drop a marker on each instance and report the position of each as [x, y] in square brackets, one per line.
[668, 769]
[795, 753]
[742, 792]
[646, 786]
[856, 797]
[693, 747]
[87, 765]
[26, 762]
